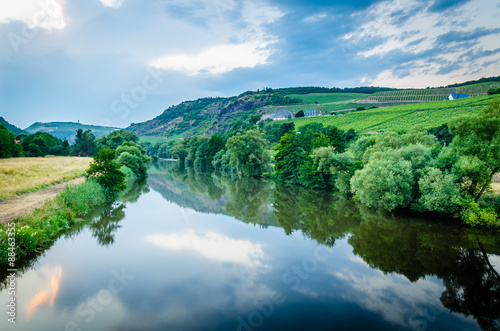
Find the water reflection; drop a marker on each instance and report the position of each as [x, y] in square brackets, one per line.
[104, 222]
[417, 249]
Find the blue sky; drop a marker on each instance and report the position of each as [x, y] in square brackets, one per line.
[113, 62]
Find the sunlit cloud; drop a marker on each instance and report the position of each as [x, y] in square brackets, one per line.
[112, 3]
[241, 31]
[45, 14]
[216, 60]
[51, 279]
[213, 246]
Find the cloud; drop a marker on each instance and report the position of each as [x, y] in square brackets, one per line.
[213, 246]
[216, 60]
[45, 14]
[112, 3]
[238, 32]
[442, 47]
[315, 18]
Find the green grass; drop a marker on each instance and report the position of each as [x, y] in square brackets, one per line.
[41, 228]
[398, 118]
[153, 140]
[323, 98]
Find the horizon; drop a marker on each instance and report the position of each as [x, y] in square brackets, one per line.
[117, 62]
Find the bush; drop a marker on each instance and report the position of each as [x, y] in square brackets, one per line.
[106, 171]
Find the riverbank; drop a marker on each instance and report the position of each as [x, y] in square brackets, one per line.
[43, 226]
[27, 203]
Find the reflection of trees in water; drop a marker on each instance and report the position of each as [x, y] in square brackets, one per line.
[104, 222]
[249, 200]
[107, 223]
[414, 248]
[410, 247]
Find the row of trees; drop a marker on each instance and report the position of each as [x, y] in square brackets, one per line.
[44, 143]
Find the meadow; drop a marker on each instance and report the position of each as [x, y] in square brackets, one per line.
[27, 174]
[400, 118]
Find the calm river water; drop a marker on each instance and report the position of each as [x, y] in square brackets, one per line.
[186, 251]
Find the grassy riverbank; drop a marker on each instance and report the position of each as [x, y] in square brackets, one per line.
[28, 174]
[41, 228]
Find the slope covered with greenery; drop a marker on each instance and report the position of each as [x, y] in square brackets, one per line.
[399, 118]
[67, 130]
[12, 128]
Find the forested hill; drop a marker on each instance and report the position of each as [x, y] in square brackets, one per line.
[211, 115]
[12, 128]
[67, 130]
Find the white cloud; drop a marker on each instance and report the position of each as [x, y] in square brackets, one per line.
[409, 27]
[112, 3]
[393, 296]
[314, 18]
[213, 246]
[45, 14]
[238, 33]
[216, 60]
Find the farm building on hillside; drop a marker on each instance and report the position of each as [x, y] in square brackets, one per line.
[455, 96]
[281, 114]
[310, 113]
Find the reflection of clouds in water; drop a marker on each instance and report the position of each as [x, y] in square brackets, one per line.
[392, 296]
[495, 261]
[49, 280]
[208, 287]
[213, 246]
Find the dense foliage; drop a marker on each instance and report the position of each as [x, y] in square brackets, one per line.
[106, 171]
[8, 146]
[42, 144]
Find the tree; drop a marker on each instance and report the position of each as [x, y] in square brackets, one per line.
[476, 148]
[85, 143]
[134, 157]
[249, 155]
[8, 147]
[254, 119]
[384, 184]
[300, 113]
[106, 171]
[215, 144]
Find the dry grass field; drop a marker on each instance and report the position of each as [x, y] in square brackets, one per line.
[27, 174]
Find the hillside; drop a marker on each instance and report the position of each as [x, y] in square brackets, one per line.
[11, 127]
[212, 115]
[67, 130]
[399, 118]
[430, 94]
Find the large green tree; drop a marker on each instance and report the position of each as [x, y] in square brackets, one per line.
[249, 155]
[85, 143]
[8, 147]
[476, 148]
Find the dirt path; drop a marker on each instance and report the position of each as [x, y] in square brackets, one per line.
[20, 206]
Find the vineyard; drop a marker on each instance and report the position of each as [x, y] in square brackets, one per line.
[430, 94]
[400, 118]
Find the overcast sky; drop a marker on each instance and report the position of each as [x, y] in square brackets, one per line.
[113, 62]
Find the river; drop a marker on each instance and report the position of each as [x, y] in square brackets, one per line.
[186, 251]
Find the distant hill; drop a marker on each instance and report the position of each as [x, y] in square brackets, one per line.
[67, 130]
[11, 127]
